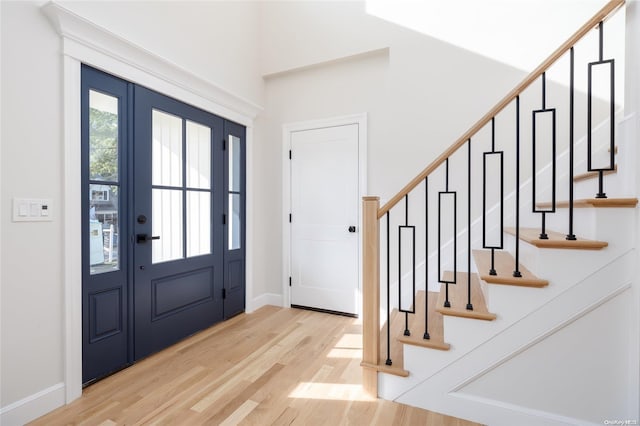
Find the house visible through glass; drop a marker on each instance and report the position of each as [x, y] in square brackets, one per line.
[104, 186]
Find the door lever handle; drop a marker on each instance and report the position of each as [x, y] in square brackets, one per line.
[352, 229]
[142, 238]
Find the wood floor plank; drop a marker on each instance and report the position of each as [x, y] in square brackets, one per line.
[273, 367]
[240, 413]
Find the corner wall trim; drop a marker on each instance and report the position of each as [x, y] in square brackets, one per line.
[33, 406]
[264, 300]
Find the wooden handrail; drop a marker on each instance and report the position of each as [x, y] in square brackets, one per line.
[601, 15]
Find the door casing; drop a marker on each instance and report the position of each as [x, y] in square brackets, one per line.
[287, 130]
[85, 42]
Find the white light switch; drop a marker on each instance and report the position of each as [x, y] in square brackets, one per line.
[32, 210]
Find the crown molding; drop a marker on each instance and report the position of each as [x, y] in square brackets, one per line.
[83, 39]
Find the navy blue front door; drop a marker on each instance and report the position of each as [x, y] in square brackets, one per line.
[164, 235]
[178, 218]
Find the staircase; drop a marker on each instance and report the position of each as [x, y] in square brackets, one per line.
[508, 306]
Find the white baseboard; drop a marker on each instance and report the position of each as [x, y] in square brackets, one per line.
[33, 406]
[262, 300]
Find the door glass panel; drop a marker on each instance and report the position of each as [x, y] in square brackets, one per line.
[167, 224]
[198, 223]
[234, 221]
[167, 149]
[198, 156]
[103, 229]
[234, 163]
[103, 137]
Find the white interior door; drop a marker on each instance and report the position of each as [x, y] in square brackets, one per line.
[324, 225]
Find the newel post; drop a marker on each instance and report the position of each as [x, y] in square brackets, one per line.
[370, 294]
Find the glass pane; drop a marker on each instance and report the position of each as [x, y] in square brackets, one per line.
[104, 229]
[167, 149]
[234, 221]
[103, 137]
[198, 156]
[235, 155]
[198, 223]
[167, 224]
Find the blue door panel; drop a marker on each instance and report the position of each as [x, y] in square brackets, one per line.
[234, 264]
[181, 291]
[105, 296]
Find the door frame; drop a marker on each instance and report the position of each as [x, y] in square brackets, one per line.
[287, 130]
[85, 42]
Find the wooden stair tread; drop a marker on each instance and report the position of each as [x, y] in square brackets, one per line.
[594, 175]
[396, 319]
[594, 203]
[416, 325]
[389, 369]
[504, 265]
[458, 298]
[556, 240]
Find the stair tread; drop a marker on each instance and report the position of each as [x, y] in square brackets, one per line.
[416, 325]
[556, 240]
[593, 175]
[504, 265]
[458, 298]
[396, 319]
[389, 369]
[594, 203]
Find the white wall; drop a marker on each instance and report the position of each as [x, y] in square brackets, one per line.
[31, 167]
[215, 40]
[420, 96]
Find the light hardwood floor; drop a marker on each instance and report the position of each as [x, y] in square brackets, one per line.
[272, 367]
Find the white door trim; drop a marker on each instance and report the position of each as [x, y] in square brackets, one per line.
[287, 130]
[85, 42]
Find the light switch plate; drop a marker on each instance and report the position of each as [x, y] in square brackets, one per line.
[32, 210]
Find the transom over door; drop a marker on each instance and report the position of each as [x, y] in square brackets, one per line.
[324, 221]
[164, 223]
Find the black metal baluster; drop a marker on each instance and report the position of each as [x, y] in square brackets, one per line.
[544, 235]
[492, 269]
[447, 303]
[571, 236]
[426, 257]
[516, 271]
[469, 305]
[611, 63]
[413, 270]
[388, 361]
[544, 110]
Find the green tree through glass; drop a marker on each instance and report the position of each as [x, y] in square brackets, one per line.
[103, 145]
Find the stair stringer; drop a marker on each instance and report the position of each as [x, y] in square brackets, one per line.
[443, 390]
